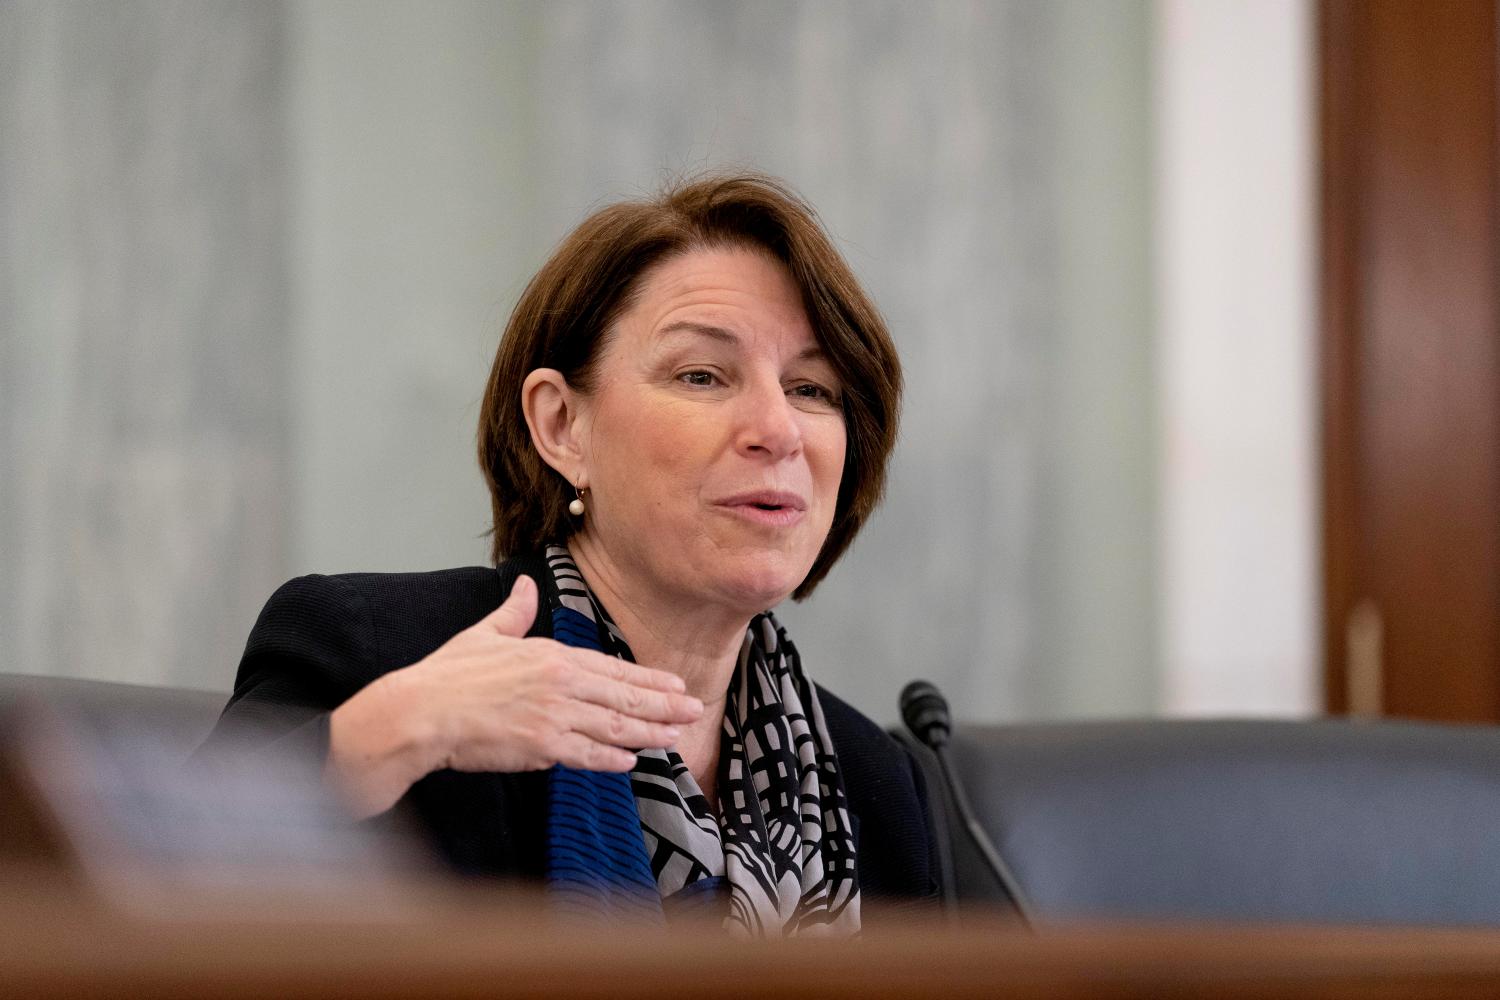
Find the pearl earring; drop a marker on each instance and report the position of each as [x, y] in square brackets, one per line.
[576, 507]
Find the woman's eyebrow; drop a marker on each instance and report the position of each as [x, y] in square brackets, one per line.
[812, 352]
[715, 332]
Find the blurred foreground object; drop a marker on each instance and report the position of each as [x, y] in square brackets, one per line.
[100, 790]
[50, 950]
[249, 884]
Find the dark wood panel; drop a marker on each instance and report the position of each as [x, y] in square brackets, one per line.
[1411, 366]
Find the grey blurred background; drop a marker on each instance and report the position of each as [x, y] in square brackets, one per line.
[256, 258]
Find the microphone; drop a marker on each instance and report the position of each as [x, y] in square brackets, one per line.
[925, 712]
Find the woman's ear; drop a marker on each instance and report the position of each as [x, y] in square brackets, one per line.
[553, 412]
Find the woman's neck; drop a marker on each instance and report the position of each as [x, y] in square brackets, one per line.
[699, 644]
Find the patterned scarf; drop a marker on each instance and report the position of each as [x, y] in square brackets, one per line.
[778, 860]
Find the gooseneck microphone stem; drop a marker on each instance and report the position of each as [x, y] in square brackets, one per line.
[981, 839]
[925, 712]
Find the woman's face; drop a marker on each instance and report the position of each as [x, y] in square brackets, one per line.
[713, 443]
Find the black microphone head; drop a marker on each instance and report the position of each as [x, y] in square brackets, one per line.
[925, 712]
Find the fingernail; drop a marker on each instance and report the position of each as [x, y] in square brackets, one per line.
[672, 735]
[695, 704]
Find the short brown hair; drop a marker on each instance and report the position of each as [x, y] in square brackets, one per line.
[570, 305]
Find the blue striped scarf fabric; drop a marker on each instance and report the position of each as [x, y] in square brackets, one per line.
[597, 866]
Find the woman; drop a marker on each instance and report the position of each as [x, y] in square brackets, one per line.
[687, 421]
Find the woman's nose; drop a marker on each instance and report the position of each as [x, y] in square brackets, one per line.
[768, 423]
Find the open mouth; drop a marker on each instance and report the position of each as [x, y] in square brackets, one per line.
[767, 506]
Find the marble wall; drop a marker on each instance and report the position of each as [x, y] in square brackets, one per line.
[258, 257]
[144, 329]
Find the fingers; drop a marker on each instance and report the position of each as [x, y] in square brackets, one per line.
[641, 703]
[515, 616]
[579, 751]
[615, 728]
[631, 673]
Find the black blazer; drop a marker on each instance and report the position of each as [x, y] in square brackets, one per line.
[322, 638]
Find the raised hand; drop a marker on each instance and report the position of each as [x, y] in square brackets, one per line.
[490, 699]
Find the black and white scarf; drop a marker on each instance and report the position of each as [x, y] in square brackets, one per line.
[780, 857]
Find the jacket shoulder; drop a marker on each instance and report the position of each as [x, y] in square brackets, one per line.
[320, 638]
[844, 716]
[886, 790]
[868, 755]
[411, 614]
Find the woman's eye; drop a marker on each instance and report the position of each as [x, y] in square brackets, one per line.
[701, 378]
[810, 390]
